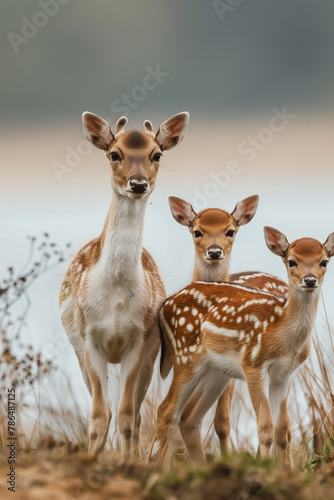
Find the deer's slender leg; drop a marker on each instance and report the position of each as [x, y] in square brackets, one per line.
[278, 397]
[96, 366]
[222, 420]
[169, 413]
[265, 423]
[143, 382]
[198, 405]
[84, 371]
[130, 369]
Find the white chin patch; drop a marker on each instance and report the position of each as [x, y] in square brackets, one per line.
[309, 289]
[215, 261]
[131, 194]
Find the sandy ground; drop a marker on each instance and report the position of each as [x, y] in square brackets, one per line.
[65, 473]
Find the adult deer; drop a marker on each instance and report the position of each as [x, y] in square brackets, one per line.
[214, 231]
[112, 291]
[221, 331]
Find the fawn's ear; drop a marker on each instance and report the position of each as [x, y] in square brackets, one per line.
[182, 211]
[276, 241]
[172, 131]
[329, 245]
[245, 210]
[97, 130]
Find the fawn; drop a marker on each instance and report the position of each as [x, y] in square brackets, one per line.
[219, 331]
[214, 232]
[112, 291]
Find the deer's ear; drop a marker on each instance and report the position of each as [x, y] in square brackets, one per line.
[329, 245]
[276, 241]
[245, 210]
[172, 131]
[182, 211]
[97, 130]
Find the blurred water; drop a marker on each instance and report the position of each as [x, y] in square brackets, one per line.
[170, 244]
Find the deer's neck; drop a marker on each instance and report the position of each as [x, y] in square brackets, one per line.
[121, 242]
[298, 318]
[211, 272]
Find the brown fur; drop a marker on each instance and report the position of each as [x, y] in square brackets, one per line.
[227, 318]
[214, 223]
[136, 139]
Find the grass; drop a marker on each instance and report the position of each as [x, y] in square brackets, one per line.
[57, 471]
[53, 437]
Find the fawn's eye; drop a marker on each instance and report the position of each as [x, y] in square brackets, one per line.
[115, 157]
[197, 234]
[292, 263]
[230, 233]
[324, 263]
[157, 157]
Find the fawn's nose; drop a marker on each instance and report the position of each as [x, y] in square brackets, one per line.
[310, 281]
[214, 252]
[138, 184]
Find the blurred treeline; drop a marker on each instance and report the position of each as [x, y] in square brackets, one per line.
[264, 53]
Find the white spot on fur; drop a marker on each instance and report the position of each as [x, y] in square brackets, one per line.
[219, 330]
[255, 351]
[278, 310]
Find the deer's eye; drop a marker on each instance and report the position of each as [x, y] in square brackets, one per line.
[115, 157]
[197, 234]
[230, 233]
[157, 157]
[292, 263]
[324, 263]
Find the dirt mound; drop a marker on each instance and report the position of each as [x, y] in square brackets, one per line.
[65, 472]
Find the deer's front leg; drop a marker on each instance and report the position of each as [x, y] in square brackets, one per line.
[130, 369]
[202, 399]
[278, 396]
[96, 366]
[222, 419]
[143, 382]
[265, 423]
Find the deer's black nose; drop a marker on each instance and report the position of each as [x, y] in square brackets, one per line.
[310, 281]
[138, 184]
[214, 252]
